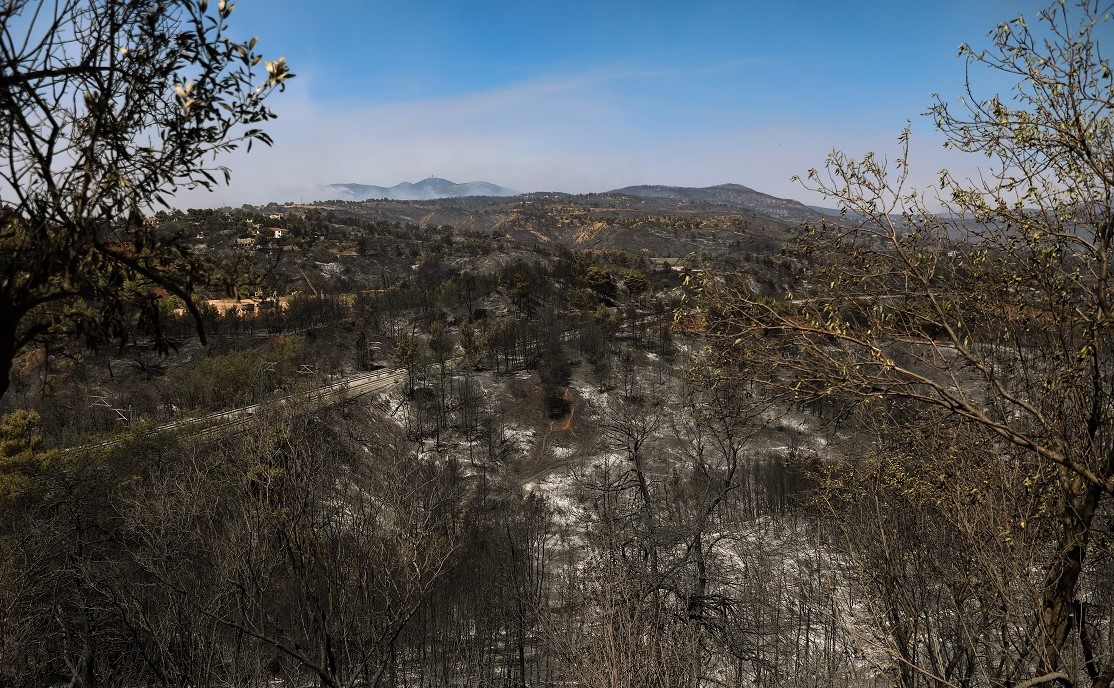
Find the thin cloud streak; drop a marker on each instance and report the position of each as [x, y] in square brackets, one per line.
[563, 133]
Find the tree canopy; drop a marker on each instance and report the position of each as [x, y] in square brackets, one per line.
[109, 107]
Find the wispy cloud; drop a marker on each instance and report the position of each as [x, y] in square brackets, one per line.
[574, 133]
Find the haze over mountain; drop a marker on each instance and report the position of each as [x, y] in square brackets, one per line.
[496, 94]
[425, 190]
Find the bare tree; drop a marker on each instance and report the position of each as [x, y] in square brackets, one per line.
[995, 315]
[337, 553]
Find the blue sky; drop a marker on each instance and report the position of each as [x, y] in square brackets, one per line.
[587, 96]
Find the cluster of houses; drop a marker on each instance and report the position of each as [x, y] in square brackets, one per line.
[251, 306]
[262, 237]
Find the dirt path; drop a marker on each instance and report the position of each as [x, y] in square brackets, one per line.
[542, 463]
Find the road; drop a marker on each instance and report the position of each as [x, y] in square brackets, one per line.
[222, 423]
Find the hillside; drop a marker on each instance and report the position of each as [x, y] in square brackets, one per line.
[664, 226]
[733, 196]
[559, 442]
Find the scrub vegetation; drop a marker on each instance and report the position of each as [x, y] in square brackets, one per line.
[654, 437]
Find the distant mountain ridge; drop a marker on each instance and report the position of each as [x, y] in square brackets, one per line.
[732, 195]
[425, 190]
